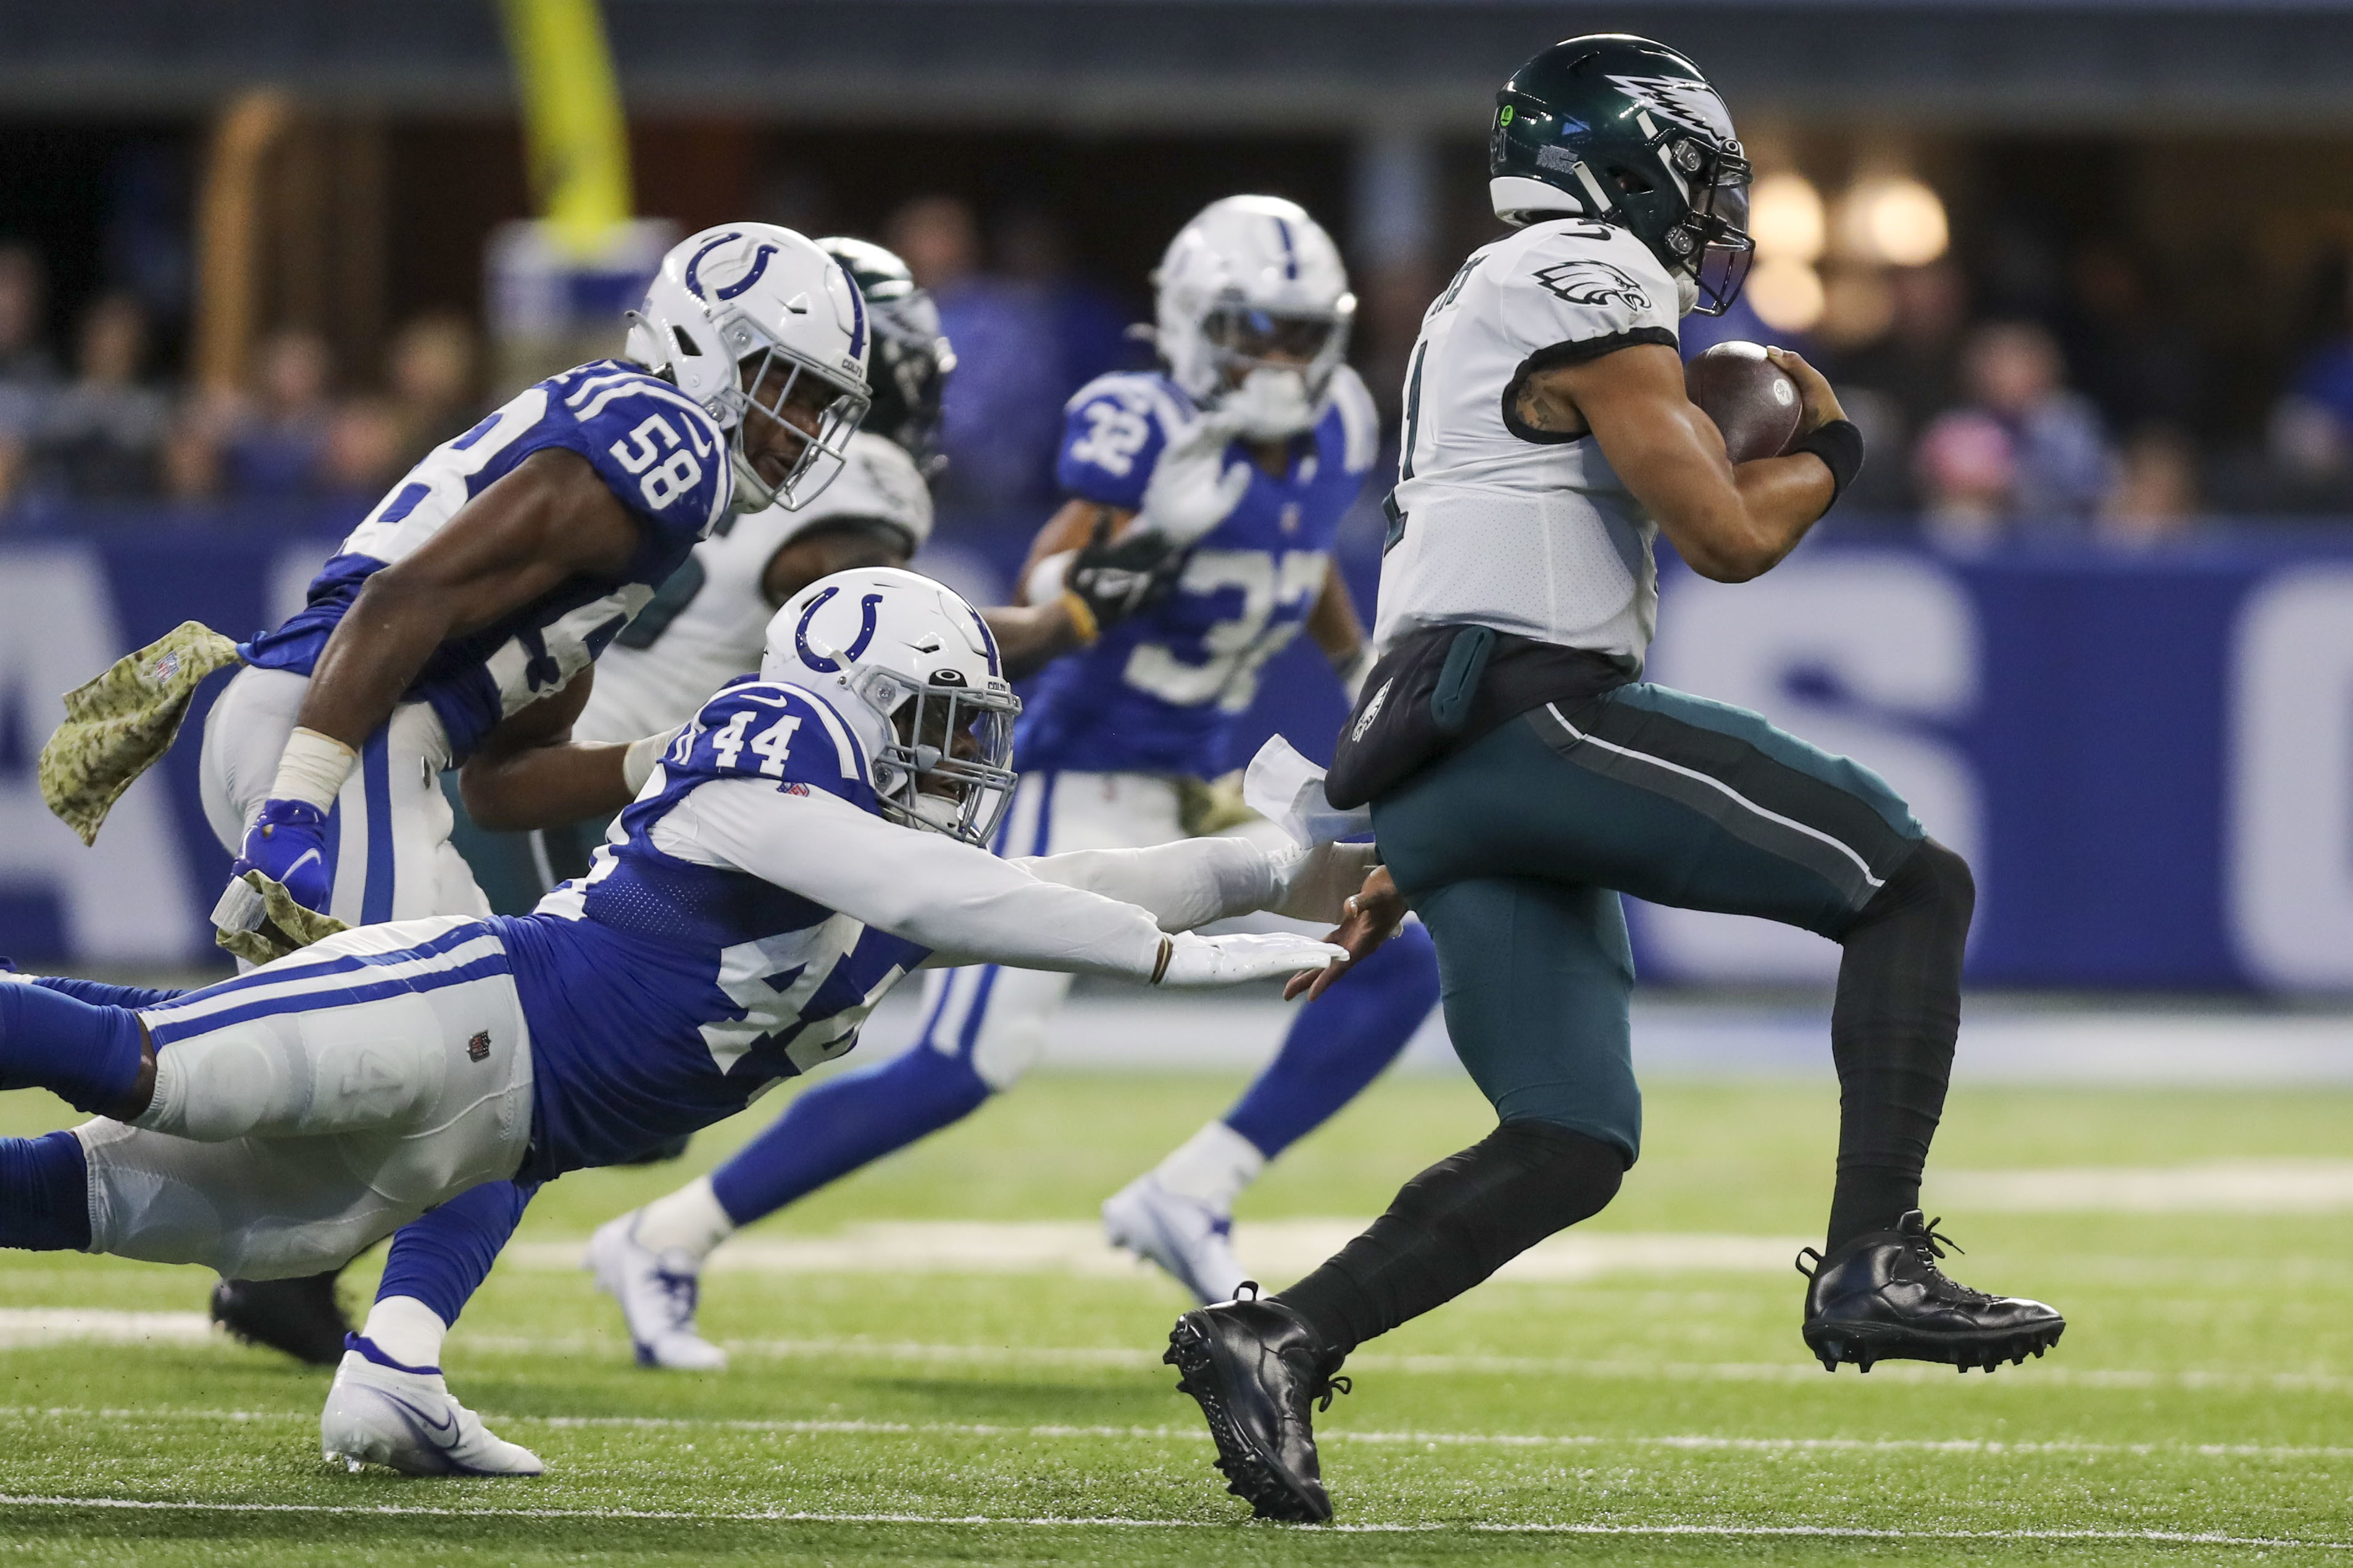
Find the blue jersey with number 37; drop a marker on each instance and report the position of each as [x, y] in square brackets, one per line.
[660, 454]
[1160, 692]
[666, 992]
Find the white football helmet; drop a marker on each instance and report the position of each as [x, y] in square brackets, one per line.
[730, 304]
[1254, 311]
[932, 705]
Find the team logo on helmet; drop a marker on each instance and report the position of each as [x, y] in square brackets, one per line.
[1593, 283]
[1682, 100]
[759, 264]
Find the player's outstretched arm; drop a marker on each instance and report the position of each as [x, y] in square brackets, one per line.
[964, 903]
[551, 518]
[1728, 524]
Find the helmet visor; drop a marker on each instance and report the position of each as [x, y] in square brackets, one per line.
[1242, 333]
[1718, 225]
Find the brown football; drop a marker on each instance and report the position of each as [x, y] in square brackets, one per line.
[1752, 400]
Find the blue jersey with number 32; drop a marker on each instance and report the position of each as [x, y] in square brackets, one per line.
[1160, 692]
[660, 454]
[665, 993]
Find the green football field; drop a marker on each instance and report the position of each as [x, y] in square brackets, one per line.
[931, 1364]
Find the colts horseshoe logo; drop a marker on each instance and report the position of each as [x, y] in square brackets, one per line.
[809, 655]
[728, 292]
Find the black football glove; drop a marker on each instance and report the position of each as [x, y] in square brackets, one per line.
[1116, 579]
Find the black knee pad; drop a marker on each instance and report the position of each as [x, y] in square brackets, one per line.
[1932, 885]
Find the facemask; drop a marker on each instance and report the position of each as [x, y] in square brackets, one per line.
[1272, 404]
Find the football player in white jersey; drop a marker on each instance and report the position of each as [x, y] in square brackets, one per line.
[1520, 774]
[817, 833]
[1241, 456]
[462, 617]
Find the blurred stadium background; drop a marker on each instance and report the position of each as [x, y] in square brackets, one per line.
[2084, 271]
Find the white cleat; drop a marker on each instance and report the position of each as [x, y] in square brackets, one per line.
[379, 1413]
[1191, 1240]
[657, 1291]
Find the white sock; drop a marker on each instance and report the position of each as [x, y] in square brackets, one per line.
[689, 1220]
[408, 1330]
[1213, 1166]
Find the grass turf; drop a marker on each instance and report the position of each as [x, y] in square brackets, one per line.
[2202, 1389]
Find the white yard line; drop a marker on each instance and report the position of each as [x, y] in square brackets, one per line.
[1189, 1434]
[1058, 1521]
[2216, 1186]
[27, 1328]
[51, 1325]
[1270, 1246]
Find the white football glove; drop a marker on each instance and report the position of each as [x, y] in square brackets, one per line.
[1316, 884]
[1190, 961]
[1192, 489]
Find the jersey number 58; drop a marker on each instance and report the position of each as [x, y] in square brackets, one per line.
[677, 474]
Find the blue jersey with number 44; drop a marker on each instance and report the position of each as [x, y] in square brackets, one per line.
[664, 993]
[1160, 692]
[661, 455]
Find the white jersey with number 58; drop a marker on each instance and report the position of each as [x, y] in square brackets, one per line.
[1527, 531]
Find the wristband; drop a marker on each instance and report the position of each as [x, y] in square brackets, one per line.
[637, 761]
[312, 768]
[1082, 618]
[1839, 446]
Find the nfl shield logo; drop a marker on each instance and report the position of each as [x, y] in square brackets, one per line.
[479, 1047]
[166, 667]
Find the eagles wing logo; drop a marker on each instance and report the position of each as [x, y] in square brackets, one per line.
[1593, 283]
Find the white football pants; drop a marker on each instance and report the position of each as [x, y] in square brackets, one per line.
[390, 827]
[996, 1018]
[311, 1107]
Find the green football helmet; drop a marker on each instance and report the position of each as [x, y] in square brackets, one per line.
[1614, 127]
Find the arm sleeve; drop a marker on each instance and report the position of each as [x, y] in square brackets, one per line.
[1183, 885]
[923, 886]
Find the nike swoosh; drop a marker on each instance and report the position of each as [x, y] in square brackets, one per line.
[443, 1433]
[307, 856]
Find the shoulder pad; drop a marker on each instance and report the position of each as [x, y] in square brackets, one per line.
[879, 482]
[1113, 434]
[659, 451]
[766, 729]
[1360, 422]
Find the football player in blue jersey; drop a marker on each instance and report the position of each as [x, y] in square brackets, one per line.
[817, 832]
[461, 618]
[1231, 468]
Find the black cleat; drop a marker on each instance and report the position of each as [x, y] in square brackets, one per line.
[1881, 1298]
[299, 1317]
[1255, 1369]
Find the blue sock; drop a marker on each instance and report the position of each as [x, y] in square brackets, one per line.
[1340, 1042]
[842, 1124]
[442, 1257]
[86, 1054]
[104, 995]
[44, 1194]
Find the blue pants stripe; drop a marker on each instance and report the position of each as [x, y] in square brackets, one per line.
[375, 768]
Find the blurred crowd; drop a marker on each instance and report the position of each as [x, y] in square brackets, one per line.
[2084, 416]
[102, 427]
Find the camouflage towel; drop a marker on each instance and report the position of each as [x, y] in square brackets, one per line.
[1211, 805]
[285, 926]
[119, 724]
